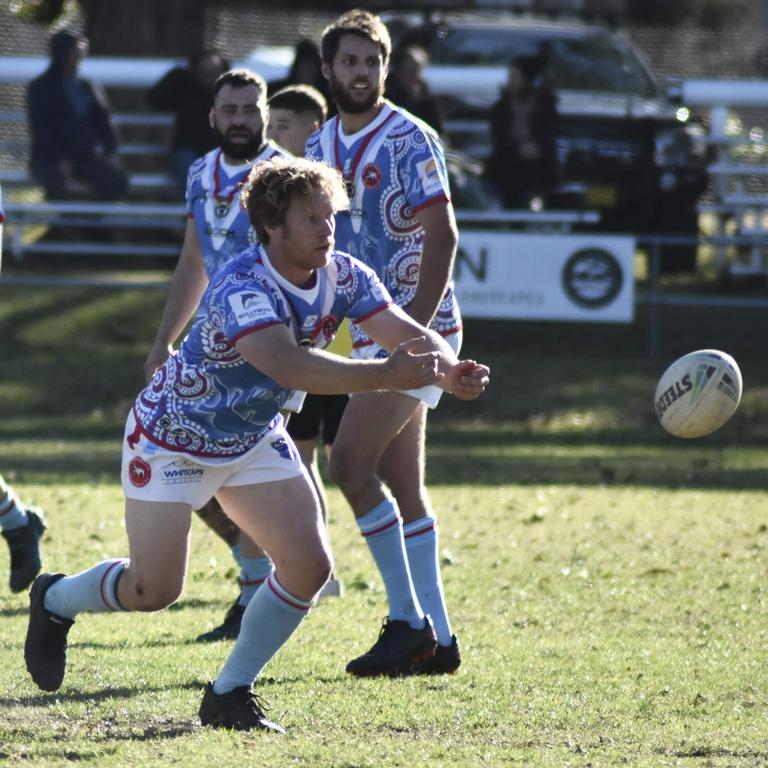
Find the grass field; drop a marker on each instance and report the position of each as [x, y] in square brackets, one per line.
[608, 583]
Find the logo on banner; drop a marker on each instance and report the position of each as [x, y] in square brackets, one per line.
[592, 278]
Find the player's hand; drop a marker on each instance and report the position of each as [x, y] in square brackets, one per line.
[405, 369]
[468, 379]
[156, 357]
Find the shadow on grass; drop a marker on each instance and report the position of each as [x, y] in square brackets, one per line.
[106, 694]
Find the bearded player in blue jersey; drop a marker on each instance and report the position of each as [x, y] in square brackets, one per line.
[212, 415]
[401, 224]
[218, 229]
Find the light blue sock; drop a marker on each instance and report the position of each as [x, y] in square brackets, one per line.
[382, 529]
[421, 543]
[12, 514]
[269, 620]
[94, 590]
[254, 571]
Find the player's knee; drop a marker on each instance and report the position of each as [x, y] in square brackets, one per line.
[319, 571]
[346, 470]
[154, 596]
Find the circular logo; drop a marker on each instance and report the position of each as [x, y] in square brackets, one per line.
[330, 325]
[592, 278]
[139, 472]
[371, 176]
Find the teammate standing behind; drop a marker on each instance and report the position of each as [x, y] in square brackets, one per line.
[401, 224]
[295, 113]
[22, 525]
[215, 406]
[217, 230]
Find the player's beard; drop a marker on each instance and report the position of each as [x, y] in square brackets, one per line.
[345, 102]
[240, 150]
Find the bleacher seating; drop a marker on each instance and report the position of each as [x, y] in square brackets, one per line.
[153, 202]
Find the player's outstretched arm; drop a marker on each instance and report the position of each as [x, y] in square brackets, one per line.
[187, 287]
[275, 353]
[465, 379]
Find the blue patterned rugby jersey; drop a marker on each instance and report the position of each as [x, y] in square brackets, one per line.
[392, 168]
[213, 201]
[207, 400]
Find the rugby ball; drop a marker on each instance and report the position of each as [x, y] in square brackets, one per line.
[698, 393]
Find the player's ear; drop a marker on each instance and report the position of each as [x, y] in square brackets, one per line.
[326, 70]
[212, 118]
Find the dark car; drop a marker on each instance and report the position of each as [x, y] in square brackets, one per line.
[625, 147]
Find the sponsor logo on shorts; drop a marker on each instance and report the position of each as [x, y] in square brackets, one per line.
[139, 472]
[181, 471]
[282, 448]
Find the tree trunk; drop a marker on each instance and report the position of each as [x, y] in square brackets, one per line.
[165, 28]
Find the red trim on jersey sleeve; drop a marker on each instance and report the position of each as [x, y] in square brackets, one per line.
[373, 312]
[255, 328]
[441, 198]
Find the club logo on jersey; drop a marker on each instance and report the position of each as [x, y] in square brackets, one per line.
[139, 472]
[429, 174]
[371, 176]
[282, 448]
[249, 307]
[330, 325]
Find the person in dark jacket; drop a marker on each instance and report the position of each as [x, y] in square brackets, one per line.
[523, 123]
[188, 93]
[306, 69]
[72, 136]
[406, 86]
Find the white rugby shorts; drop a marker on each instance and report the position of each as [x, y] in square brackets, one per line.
[430, 395]
[152, 473]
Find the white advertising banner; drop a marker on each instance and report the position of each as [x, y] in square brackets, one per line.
[545, 276]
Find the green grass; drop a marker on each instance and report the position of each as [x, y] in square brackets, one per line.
[609, 584]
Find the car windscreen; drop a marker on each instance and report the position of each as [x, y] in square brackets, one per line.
[591, 61]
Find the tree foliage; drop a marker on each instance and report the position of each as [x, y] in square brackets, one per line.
[128, 27]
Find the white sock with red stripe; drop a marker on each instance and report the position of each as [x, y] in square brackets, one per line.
[254, 571]
[269, 620]
[382, 529]
[12, 514]
[421, 543]
[94, 590]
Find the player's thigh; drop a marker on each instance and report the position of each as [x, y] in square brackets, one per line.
[158, 539]
[284, 517]
[371, 421]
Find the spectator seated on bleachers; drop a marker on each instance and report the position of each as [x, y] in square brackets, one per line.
[188, 93]
[72, 136]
